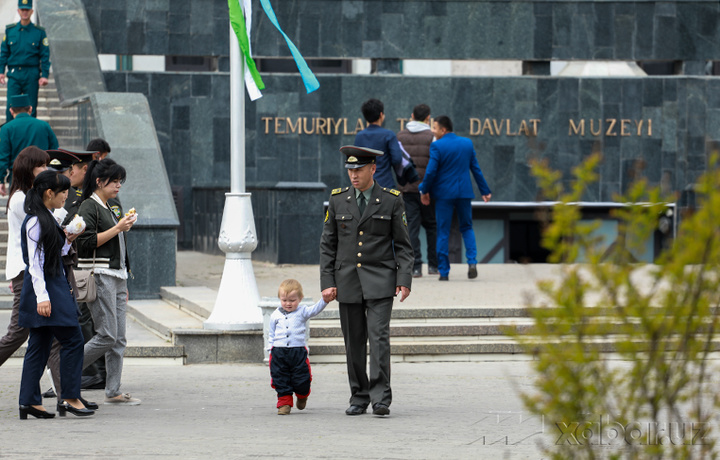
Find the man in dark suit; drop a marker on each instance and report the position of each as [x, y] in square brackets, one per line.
[447, 179]
[365, 259]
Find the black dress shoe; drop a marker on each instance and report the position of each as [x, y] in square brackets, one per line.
[49, 394]
[37, 413]
[355, 410]
[64, 407]
[444, 278]
[89, 404]
[381, 409]
[472, 271]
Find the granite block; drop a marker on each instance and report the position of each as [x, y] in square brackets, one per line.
[644, 29]
[136, 37]
[562, 24]
[201, 44]
[179, 43]
[201, 85]
[138, 83]
[568, 90]
[665, 44]
[652, 92]
[603, 25]
[115, 81]
[624, 31]
[156, 42]
[221, 139]
[156, 21]
[581, 33]
[113, 21]
[112, 5]
[632, 94]
[201, 14]
[221, 43]
[542, 44]
[114, 42]
[135, 10]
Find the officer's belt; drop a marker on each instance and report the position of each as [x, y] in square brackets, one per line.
[26, 66]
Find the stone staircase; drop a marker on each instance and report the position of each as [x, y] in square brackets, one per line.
[62, 121]
[418, 334]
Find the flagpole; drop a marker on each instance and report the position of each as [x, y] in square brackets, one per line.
[236, 305]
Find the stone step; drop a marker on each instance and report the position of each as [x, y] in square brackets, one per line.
[162, 318]
[199, 300]
[442, 327]
[142, 344]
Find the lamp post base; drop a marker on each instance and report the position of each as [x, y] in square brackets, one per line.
[236, 307]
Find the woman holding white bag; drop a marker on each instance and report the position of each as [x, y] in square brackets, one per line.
[47, 306]
[103, 245]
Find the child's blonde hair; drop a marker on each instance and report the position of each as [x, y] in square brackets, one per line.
[289, 286]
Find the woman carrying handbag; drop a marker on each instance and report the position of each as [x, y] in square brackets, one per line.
[103, 244]
[47, 306]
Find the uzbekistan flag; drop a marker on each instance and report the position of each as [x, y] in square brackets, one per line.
[241, 21]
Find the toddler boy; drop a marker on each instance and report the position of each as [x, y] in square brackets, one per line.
[289, 363]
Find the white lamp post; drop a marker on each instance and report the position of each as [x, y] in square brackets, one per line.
[236, 306]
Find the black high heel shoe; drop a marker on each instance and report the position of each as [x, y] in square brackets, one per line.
[37, 413]
[89, 404]
[64, 407]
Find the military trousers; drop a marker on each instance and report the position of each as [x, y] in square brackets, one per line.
[360, 322]
[22, 80]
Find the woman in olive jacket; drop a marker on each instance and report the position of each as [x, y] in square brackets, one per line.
[104, 242]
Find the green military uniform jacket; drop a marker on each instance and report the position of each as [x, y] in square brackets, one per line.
[25, 46]
[365, 257]
[20, 133]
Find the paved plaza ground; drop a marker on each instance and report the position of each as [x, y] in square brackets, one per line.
[439, 410]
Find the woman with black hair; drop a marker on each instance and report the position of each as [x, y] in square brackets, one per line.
[47, 306]
[104, 246]
[30, 162]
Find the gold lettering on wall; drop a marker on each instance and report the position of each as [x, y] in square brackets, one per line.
[293, 128]
[505, 127]
[610, 127]
[576, 129]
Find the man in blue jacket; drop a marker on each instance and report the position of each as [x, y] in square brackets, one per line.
[378, 138]
[447, 179]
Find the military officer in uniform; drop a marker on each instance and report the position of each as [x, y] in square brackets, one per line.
[26, 54]
[365, 259]
[20, 133]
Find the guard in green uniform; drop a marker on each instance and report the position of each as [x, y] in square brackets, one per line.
[22, 132]
[365, 259]
[26, 54]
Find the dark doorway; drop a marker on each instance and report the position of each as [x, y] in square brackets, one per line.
[525, 242]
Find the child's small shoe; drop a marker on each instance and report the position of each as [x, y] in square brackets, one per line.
[284, 410]
[301, 403]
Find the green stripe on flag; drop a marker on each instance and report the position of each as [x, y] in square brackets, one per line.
[237, 20]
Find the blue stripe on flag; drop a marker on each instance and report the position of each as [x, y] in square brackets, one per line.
[311, 83]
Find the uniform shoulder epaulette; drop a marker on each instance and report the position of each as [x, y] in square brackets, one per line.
[339, 190]
[39, 27]
[10, 26]
[391, 190]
